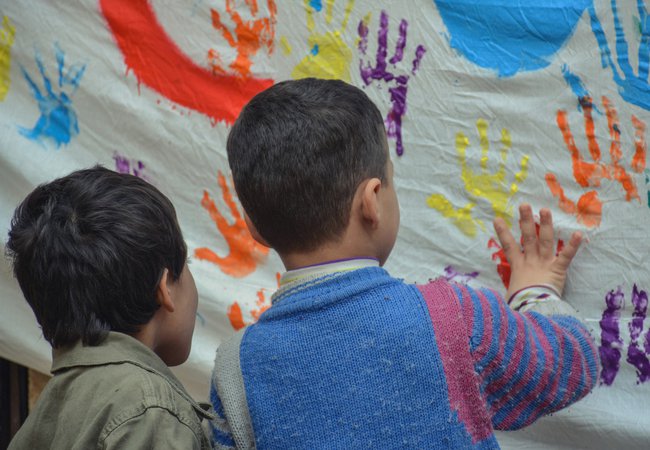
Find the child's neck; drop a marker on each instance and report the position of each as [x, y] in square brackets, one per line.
[325, 254]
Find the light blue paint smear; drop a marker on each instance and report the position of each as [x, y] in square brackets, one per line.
[579, 89]
[58, 120]
[633, 88]
[316, 4]
[314, 50]
[510, 36]
[575, 83]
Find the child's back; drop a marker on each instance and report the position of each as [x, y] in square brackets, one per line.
[347, 356]
[115, 395]
[101, 260]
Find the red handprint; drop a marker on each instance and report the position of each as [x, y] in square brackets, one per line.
[245, 252]
[588, 209]
[248, 36]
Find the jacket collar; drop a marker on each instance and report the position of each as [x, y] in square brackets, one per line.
[119, 348]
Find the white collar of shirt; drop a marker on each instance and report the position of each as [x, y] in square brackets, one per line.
[326, 268]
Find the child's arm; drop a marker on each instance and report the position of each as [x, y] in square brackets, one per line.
[232, 427]
[220, 432]
[529, 364]
[156, 427]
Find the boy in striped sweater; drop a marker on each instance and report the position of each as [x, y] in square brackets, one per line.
[349, 357]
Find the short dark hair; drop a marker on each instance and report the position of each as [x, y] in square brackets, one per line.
[298, 152]
[89, 250]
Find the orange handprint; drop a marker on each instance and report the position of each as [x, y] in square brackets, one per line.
[588, 209]
[248, 37]
[261, 304]
[245, 252]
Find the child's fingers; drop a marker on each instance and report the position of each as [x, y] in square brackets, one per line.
[546, 240]
[569, 251]
[527, 225]
[508, 243]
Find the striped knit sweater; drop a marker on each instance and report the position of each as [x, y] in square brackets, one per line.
[359, 359]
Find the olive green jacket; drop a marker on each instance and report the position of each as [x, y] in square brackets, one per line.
[117, 395]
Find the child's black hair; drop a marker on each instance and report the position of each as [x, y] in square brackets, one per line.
[89, 250]
[298, 152]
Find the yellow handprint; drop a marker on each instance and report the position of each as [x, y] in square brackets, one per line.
[7, 33]
[329, 56]
[491, 187]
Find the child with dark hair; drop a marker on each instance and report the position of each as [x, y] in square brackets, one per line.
[101, 260]
[349, 357]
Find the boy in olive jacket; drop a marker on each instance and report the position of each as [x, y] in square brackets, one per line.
[101, 260]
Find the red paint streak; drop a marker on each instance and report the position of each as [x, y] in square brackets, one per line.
[157, 62]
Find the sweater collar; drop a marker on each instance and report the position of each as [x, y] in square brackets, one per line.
[298, 276]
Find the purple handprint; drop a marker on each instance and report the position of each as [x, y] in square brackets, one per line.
[612, 343]
[451, 274]
[135, 167]
[382, 72]
[610, 337]
[636, 356]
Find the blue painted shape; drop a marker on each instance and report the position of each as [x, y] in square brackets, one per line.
[314, 50]
[634, 88]
[575, 83]
[509, 36]
[579, 89]
[316, 4]
[58, 120]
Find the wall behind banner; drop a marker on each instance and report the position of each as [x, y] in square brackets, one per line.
[487, 104]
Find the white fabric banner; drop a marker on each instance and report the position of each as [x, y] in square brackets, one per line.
[488, 103]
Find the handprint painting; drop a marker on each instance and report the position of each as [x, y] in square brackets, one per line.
[490, 187]
[58, 120]
[381, 73]
[243, 253]
[588, 208]
[329, 55]
[485, 104]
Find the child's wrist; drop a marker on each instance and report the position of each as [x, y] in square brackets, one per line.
[524, 298]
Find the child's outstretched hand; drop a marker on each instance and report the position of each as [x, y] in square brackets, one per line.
[535, 261]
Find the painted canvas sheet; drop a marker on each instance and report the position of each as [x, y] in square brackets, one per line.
[487, 104]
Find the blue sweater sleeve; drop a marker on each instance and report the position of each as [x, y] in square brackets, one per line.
[220, 433]
[529, 364]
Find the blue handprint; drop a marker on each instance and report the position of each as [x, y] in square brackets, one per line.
[633, 88]
[509, 36]
[58, 120]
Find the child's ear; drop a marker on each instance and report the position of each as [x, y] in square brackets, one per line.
[370, 201]
[163, 293]
[256, 235]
